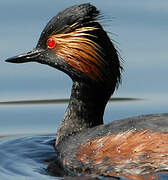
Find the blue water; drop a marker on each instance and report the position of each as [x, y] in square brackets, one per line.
[139, 29]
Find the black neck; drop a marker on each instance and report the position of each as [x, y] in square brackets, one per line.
[85, 109]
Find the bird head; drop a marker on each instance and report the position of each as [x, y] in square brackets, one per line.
[74, 42]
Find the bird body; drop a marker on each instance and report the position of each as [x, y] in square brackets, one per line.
[127, 147]
[75, 43]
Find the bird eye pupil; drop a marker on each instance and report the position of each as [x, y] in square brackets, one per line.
[50, 43]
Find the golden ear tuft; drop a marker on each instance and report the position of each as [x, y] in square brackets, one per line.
[77, 46]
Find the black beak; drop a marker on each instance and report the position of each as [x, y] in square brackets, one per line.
[30, 56]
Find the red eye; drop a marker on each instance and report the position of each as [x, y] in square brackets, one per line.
[50, 43]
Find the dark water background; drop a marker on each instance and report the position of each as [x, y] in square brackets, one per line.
[139, 29]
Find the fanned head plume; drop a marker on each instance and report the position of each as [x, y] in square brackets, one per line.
[81, 42]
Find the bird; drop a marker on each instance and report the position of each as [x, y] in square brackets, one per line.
[75, 42]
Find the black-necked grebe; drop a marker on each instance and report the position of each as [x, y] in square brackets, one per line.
[75, 43]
